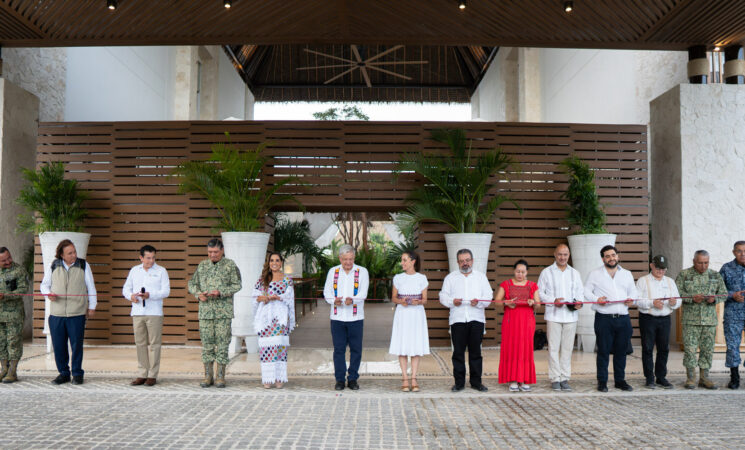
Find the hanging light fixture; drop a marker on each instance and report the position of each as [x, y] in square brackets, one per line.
[462, 5]
[568, 6]
[111, 4]
[227, 4]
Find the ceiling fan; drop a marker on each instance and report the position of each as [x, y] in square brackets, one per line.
[371, 63]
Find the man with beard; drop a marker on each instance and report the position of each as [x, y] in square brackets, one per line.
[613, 288]
[461, 292]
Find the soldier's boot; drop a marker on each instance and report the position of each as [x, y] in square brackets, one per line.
[704, 380]
[690, 378]
[4, 370]
[208, 375]
[12, 376]
[734, 378]
[220, 377]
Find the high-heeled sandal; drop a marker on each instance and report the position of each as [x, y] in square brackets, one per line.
[405, 385]
[414, 385]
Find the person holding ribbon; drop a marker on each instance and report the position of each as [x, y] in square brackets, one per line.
[346, 291]
[657, 301]
[467, 293]
[410, 336]
[274, 319]
[561, 290]
[13, 281]
[520, 297]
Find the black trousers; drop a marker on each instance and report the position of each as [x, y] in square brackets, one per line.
[655, 330]
[612, 334]
[467, 335]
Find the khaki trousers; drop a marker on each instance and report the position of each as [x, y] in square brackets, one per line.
[148, 333]
[560, 346]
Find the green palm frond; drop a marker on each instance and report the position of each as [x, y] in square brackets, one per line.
[231, 180]
[291, 238]
[584, 212]
[52, 202]
[459, 188]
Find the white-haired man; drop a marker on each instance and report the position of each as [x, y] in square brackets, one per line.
[346, 290]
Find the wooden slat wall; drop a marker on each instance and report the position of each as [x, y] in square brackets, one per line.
[343, 166]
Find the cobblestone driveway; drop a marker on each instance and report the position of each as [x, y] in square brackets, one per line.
[107, 413]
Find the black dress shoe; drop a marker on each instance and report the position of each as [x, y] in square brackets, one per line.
[77, 379]
[339, 386]
[664, 383]
[480, 388]
[602, 387]
[61, 379]
[624, 386]
[650, 385]
[353, 385]
[457, 388]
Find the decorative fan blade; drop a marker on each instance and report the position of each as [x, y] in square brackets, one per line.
[365, 76]
[392, 49]
[389, 72]
[340, 75]
[329, 56]
[325, 67]
[356, 53]
[381, 63]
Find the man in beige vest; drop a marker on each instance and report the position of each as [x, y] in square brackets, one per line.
[72, 295]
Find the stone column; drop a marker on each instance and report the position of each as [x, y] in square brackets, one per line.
[19, 125]
[734, 65]
[698, 64]
[696, 155]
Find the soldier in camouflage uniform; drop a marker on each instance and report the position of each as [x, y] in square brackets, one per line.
[699, 317]
[733, 274]
[214, 283]
[13, 280]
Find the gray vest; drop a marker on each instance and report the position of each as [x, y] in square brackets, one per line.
[66, 284]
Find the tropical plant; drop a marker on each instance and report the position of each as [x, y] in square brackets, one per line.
[584, 210]
[293, 237]
[52, 202]
[347, 112]
[457, 188]
[406, 225]
[231, 180]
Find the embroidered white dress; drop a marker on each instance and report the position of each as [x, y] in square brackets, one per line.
[410, 336]
[273, 322]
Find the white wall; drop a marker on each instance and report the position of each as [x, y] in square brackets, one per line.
[496, 98]
[118, 83]
[231, 97]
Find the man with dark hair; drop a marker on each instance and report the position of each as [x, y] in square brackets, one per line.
[214, 283]
[613, 288]
[146, 287]
[698, 285]
[71, 291]
[465, 292]
[13, 280]
[733, 274]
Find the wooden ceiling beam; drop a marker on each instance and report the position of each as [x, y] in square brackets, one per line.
[10, 11]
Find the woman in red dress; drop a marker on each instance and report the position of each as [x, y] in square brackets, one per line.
[520, 296]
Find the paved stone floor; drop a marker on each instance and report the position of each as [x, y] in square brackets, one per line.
[106, 412]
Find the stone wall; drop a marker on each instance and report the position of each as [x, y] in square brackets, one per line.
[42, 72]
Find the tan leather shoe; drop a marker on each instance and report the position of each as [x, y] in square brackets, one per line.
[138, 381]
[150, 382]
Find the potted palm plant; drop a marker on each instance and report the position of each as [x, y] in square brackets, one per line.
[231, 179]
[460, 191]
[54, 211]
[586, 216]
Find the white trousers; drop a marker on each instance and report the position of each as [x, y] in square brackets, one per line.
[560, 346]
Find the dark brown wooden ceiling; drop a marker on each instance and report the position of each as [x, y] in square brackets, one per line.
[633, 24]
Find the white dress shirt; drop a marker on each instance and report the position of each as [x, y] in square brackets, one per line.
[651, 288]
[556, 283]
[46, 284]
[344, 289]
[475, 286]
[156, 283]
[619, 287]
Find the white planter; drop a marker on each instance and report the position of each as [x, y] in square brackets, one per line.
[585, 250]
[478, 243]
[49, 241]
[248, 251]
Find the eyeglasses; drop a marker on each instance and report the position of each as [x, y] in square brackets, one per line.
[461, 261]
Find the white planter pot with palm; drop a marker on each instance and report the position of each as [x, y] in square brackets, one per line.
[230, 180]
[54, 210]
[586, 214]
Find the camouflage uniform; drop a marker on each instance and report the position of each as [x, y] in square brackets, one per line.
[13, 280]
[699, 319]
[215, 314]
[734, 312]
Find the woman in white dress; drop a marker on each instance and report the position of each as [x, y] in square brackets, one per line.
[274, 319]
[410, 336]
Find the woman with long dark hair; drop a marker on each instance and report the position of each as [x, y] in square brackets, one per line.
[274, 319]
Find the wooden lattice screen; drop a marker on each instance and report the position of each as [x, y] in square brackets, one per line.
[345, 166]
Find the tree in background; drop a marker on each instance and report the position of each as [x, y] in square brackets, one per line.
[347, 112]
[293, 237]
